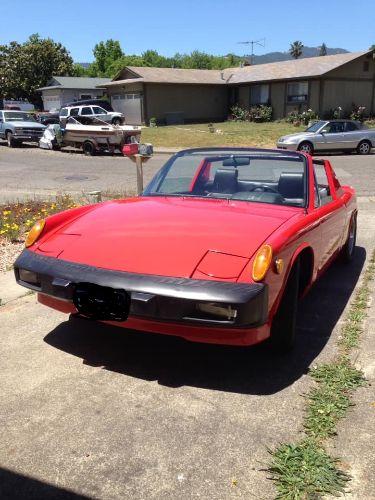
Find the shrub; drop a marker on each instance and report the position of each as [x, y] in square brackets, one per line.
[358, 113]
[259, 113]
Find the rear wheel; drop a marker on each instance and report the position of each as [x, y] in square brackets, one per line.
[364, 148]
[348, 250]
[12, 143]
[306, 147]
[88, 148]
[283, 329]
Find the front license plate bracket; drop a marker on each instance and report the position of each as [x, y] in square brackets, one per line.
[101, 303]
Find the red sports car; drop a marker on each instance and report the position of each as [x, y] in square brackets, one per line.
[218, 248]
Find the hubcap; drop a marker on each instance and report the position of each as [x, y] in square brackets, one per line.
[306, 148]
[364, 148]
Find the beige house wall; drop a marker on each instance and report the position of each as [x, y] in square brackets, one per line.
[195, 102]
[277, 97]
[354, 69]
[345, 93]
[123, 89]
[244, 96]
[314, 93]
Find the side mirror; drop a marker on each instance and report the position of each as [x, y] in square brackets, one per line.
[324, 131]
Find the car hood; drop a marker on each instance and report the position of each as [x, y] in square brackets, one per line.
[167, 235]
[297, 136]
[25, 124]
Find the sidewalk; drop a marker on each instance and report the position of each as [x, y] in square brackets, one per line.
[9, 289]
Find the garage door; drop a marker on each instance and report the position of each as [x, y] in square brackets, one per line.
[51, 102]
[131, 105]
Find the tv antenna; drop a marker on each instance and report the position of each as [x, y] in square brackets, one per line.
[261, 43]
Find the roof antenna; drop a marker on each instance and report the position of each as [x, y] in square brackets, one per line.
[261, 43]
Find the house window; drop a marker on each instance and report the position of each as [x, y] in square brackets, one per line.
[366, 65]
[297, 91]
[86, 96]
[259, 94]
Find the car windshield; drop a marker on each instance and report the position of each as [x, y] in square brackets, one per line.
[315, 126]
[17, 116]
[253, 176]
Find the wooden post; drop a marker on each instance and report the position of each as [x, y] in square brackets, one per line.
[139, 165]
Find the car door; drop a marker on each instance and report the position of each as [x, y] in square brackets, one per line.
[351, 137]
[101, 113]
[331, 211]
[333, 136]
[86, 112]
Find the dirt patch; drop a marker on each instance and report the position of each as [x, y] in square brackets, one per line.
[8, 253]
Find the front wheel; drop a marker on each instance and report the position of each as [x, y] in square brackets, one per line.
[364, 148]
[306, 147]
[116, 121]
[12, 143]
[283, 329]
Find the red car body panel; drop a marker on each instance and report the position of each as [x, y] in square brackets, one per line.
[203, 239]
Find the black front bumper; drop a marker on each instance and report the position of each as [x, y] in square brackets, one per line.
[151, 297]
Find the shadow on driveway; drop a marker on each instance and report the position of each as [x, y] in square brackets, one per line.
[175, 362]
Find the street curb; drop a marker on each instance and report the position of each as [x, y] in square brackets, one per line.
[9, 289]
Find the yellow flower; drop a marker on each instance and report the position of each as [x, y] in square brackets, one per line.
[6, 212]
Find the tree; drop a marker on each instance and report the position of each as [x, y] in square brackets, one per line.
[105, 53]
[372, 47]
[28, 66]
[323, 49]
[296, 49]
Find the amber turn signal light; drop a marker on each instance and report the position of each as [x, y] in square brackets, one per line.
[262, 262]
[35, 232]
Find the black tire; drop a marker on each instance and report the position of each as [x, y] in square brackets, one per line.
[283, 329]
[306, 147]
[116, 121]
[348, 251]
[88, 148]
[12, 143]
[364, 148]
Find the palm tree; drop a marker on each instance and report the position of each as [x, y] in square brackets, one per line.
[323, 49]
[296, 49]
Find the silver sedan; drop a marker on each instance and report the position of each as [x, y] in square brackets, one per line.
[331, 135]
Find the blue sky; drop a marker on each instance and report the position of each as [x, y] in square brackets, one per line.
[170, 26]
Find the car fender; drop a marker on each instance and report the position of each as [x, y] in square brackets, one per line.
[296, 253]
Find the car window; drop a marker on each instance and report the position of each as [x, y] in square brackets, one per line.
[238, 175]
[64, 112]
[350, 126]
[334, 128]
[99, 111]
[86, 110]
[322, 184]
[74, 112]
[18, 116]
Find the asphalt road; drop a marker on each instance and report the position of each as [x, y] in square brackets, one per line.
[28, 171]
[99, 412]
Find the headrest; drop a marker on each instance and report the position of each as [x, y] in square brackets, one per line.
[291, 185]
[225, 180]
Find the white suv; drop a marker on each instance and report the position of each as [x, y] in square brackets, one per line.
[91, 112]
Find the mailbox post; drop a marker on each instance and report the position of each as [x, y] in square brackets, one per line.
[140, 156]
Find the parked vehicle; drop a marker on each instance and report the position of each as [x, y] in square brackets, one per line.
[331, 135]
[91, 112]
[95, 135]
[19, 126]
[103, 103]
[217, 249]
[48, 118]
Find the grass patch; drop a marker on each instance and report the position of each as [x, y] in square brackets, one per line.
[305, 470]
[227, 134]
[329, 401]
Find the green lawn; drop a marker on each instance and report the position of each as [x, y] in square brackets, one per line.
[227, 134]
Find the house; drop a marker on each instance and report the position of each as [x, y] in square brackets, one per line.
[63, 89]
[186, 95]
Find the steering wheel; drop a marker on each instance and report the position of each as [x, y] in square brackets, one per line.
[265, 189]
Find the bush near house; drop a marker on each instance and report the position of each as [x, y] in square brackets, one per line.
[260, 113]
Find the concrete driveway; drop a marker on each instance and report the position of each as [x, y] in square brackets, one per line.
[98, 412]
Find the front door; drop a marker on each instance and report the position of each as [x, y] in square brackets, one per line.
[332, 136]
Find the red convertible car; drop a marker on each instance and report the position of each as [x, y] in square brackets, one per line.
[219, 247]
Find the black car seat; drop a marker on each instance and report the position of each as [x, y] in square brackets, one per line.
[225, 181]
[291, 187]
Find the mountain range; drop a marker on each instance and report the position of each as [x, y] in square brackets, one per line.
[271, 57]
